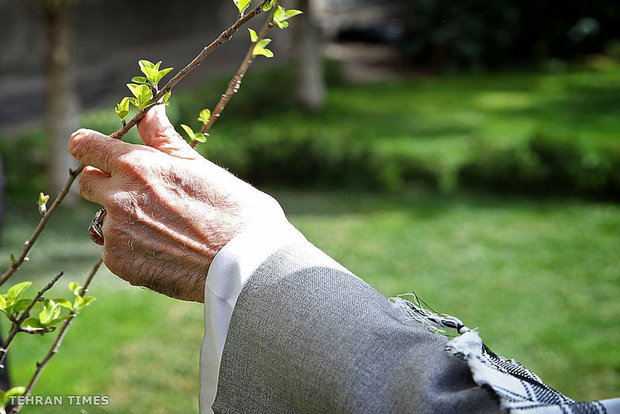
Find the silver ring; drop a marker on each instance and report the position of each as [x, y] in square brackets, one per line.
[95, 231]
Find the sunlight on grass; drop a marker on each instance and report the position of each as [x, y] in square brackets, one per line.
[501, 100]
[539, 279]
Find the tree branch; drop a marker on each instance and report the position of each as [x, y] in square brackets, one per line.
[56, 345]
[42, 223]
[224, 37]
[15, 328]
[74, 173]
[90, 277]
[235, 82]
[221, 39]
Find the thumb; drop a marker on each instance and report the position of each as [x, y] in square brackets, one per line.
[156, 131]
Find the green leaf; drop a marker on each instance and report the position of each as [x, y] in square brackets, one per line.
[88, 300]
[267, 6]
[15, 391]
[188, 131]
[194, 136]
[51, 311]
[2, 302]
[12, 258]
[160, 75]
[64, 303]
[200, 137]
[166, 97]
[134, 89]
[263, 52]
[281, 15]
[75, 288]
[143, 63]
[43, 198]
[204, 116]
[264, 42]
[143, 94]
[56, 321]
[139, 79]
[81, 302]
[122, 108]
[33, 323]
[151, 74]
[4, 396]
[20, 305]
[78, 303]
[260, 48]
[253, 35]
[242, 5]
[17, 291]
[292, 13]
[42, 203]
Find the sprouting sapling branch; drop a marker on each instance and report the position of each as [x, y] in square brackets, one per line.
[16, 262]
[79, 303]
[5, 397]
[10, 306]
[258, 46]
[145, 93]
[226, 35]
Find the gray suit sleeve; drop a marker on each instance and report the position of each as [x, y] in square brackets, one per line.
[308, 338]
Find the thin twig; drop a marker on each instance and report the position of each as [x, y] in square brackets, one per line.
[224, 37]
[221, 39]
[90, 277]
[16, 327]
[56, 345]
[73, 173]
[235, 82]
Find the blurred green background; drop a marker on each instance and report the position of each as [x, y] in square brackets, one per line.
[486, 182]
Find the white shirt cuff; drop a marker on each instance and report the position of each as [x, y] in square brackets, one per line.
[230, 270]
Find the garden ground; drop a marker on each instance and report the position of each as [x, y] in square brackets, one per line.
[538, 278]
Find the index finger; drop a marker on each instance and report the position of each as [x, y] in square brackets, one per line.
[98, 150]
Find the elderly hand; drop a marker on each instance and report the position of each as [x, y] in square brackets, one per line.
[169, 210]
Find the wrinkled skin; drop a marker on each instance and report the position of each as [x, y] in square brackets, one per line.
[169, 210]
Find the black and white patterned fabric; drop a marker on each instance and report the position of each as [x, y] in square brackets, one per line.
[520, 390]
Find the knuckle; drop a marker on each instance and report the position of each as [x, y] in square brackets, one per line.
[131, 162]
[119, 203]
[84, 184]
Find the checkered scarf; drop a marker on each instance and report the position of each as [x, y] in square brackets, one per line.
[520, 390]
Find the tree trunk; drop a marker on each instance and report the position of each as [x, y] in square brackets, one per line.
[307, 50]
[62, 103]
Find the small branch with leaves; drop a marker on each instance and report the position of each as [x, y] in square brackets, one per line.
[12, 304]
[144, 101]
[258, 46]
[80, 301]
[145, 94]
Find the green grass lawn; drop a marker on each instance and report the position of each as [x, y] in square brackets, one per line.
[539, 279]
[443, 121]
[437, 122]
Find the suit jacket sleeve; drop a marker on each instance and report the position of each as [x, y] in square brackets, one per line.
[307, 336]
